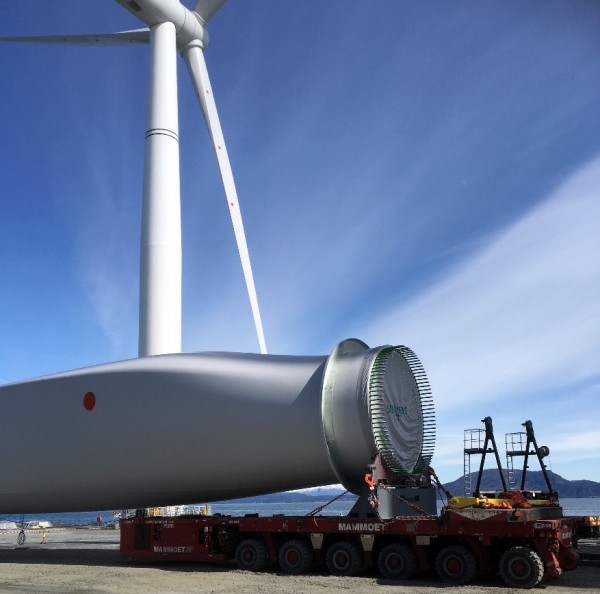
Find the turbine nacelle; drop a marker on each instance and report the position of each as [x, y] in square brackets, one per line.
[190, 25]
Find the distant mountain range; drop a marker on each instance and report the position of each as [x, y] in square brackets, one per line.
[490, 481]
[313, 495]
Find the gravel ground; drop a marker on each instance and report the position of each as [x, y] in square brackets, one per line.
[80, 560]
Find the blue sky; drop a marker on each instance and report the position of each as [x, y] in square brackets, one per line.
[419, 173]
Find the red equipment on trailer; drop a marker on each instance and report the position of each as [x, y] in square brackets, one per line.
[522, 544]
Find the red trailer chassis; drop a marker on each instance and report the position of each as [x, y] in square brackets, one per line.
[524, 545]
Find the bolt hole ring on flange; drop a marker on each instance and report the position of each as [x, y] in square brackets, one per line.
[376, 401]
[401, 411]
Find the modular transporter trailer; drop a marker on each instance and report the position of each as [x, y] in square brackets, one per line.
[523, 545]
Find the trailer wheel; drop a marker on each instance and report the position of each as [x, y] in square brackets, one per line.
[252, 555]
[295, 557]
[397, 561]
[455, 564]
[344, 558]
[521, 567]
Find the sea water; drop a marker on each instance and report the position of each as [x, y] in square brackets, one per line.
[589, 506]
[585, 506]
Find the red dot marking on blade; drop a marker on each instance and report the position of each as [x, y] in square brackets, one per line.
[89, 401]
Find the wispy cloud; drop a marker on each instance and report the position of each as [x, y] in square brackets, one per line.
[522, 314]
[106, 222]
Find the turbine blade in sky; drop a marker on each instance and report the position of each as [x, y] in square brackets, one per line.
[119, 38]
[197, 66]
[206, 9]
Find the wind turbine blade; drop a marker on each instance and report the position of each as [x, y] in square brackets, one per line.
[120, 38]
[197, 67]
[206, 9]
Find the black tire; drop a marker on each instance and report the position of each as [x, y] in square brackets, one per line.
[295, 557]
[344, 558]
[252, 555]
[21, 538]
[397, 561]
[455, 564]
[521, 567]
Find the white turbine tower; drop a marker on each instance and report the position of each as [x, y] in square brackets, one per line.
[171, 27]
